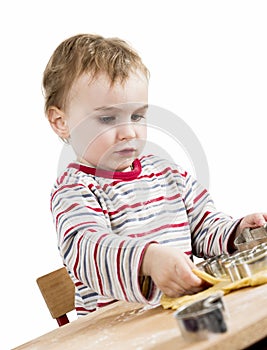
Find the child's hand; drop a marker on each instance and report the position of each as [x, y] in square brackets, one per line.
[171, 270]
[249, 221]
[252, 220]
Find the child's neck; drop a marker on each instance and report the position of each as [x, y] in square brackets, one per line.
[84, 162]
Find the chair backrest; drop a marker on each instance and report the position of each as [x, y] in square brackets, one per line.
[58, 292]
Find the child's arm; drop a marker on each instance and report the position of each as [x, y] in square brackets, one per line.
[107, 263]
[213, 232]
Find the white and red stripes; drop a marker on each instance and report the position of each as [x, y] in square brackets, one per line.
[104, 224]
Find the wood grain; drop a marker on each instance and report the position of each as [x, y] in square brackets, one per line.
[132, 326]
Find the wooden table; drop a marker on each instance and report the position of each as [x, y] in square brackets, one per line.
[132, 326]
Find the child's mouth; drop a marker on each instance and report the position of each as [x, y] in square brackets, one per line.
[126, 152]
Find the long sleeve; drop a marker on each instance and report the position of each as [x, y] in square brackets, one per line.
[210, 229]
[105, 262]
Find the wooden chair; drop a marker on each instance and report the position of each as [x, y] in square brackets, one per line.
[58, 292]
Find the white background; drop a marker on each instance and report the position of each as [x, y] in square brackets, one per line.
[208, 65]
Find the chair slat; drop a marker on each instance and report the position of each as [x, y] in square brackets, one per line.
[58, 291]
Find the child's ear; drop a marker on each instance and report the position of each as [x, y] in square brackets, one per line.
[58, 122]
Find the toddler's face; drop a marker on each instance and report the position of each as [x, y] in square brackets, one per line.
[107, 123]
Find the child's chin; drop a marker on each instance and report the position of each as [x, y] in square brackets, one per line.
[124, 166]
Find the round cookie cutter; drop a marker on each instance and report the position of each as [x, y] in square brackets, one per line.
[202, 319]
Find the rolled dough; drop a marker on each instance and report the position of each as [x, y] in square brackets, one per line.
[224, 285]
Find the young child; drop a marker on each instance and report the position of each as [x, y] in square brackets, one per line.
[123, 221]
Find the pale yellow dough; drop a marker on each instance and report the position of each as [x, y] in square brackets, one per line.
[224, 285]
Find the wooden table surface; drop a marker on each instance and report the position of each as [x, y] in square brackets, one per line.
[132, 326]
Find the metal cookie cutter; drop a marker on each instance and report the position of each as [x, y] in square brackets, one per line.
[246, 263]
[213, 266]
[250, 238]
[252, 262]
[203, 318]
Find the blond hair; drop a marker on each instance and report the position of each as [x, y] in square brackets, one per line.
[87, 53]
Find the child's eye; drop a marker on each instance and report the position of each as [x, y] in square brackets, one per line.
[107, 120]
[136, 117]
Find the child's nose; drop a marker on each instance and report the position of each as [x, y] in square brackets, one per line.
[126, 131]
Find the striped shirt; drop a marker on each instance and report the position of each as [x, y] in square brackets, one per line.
[105, 221]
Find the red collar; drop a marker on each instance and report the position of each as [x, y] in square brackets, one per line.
[127, 175]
